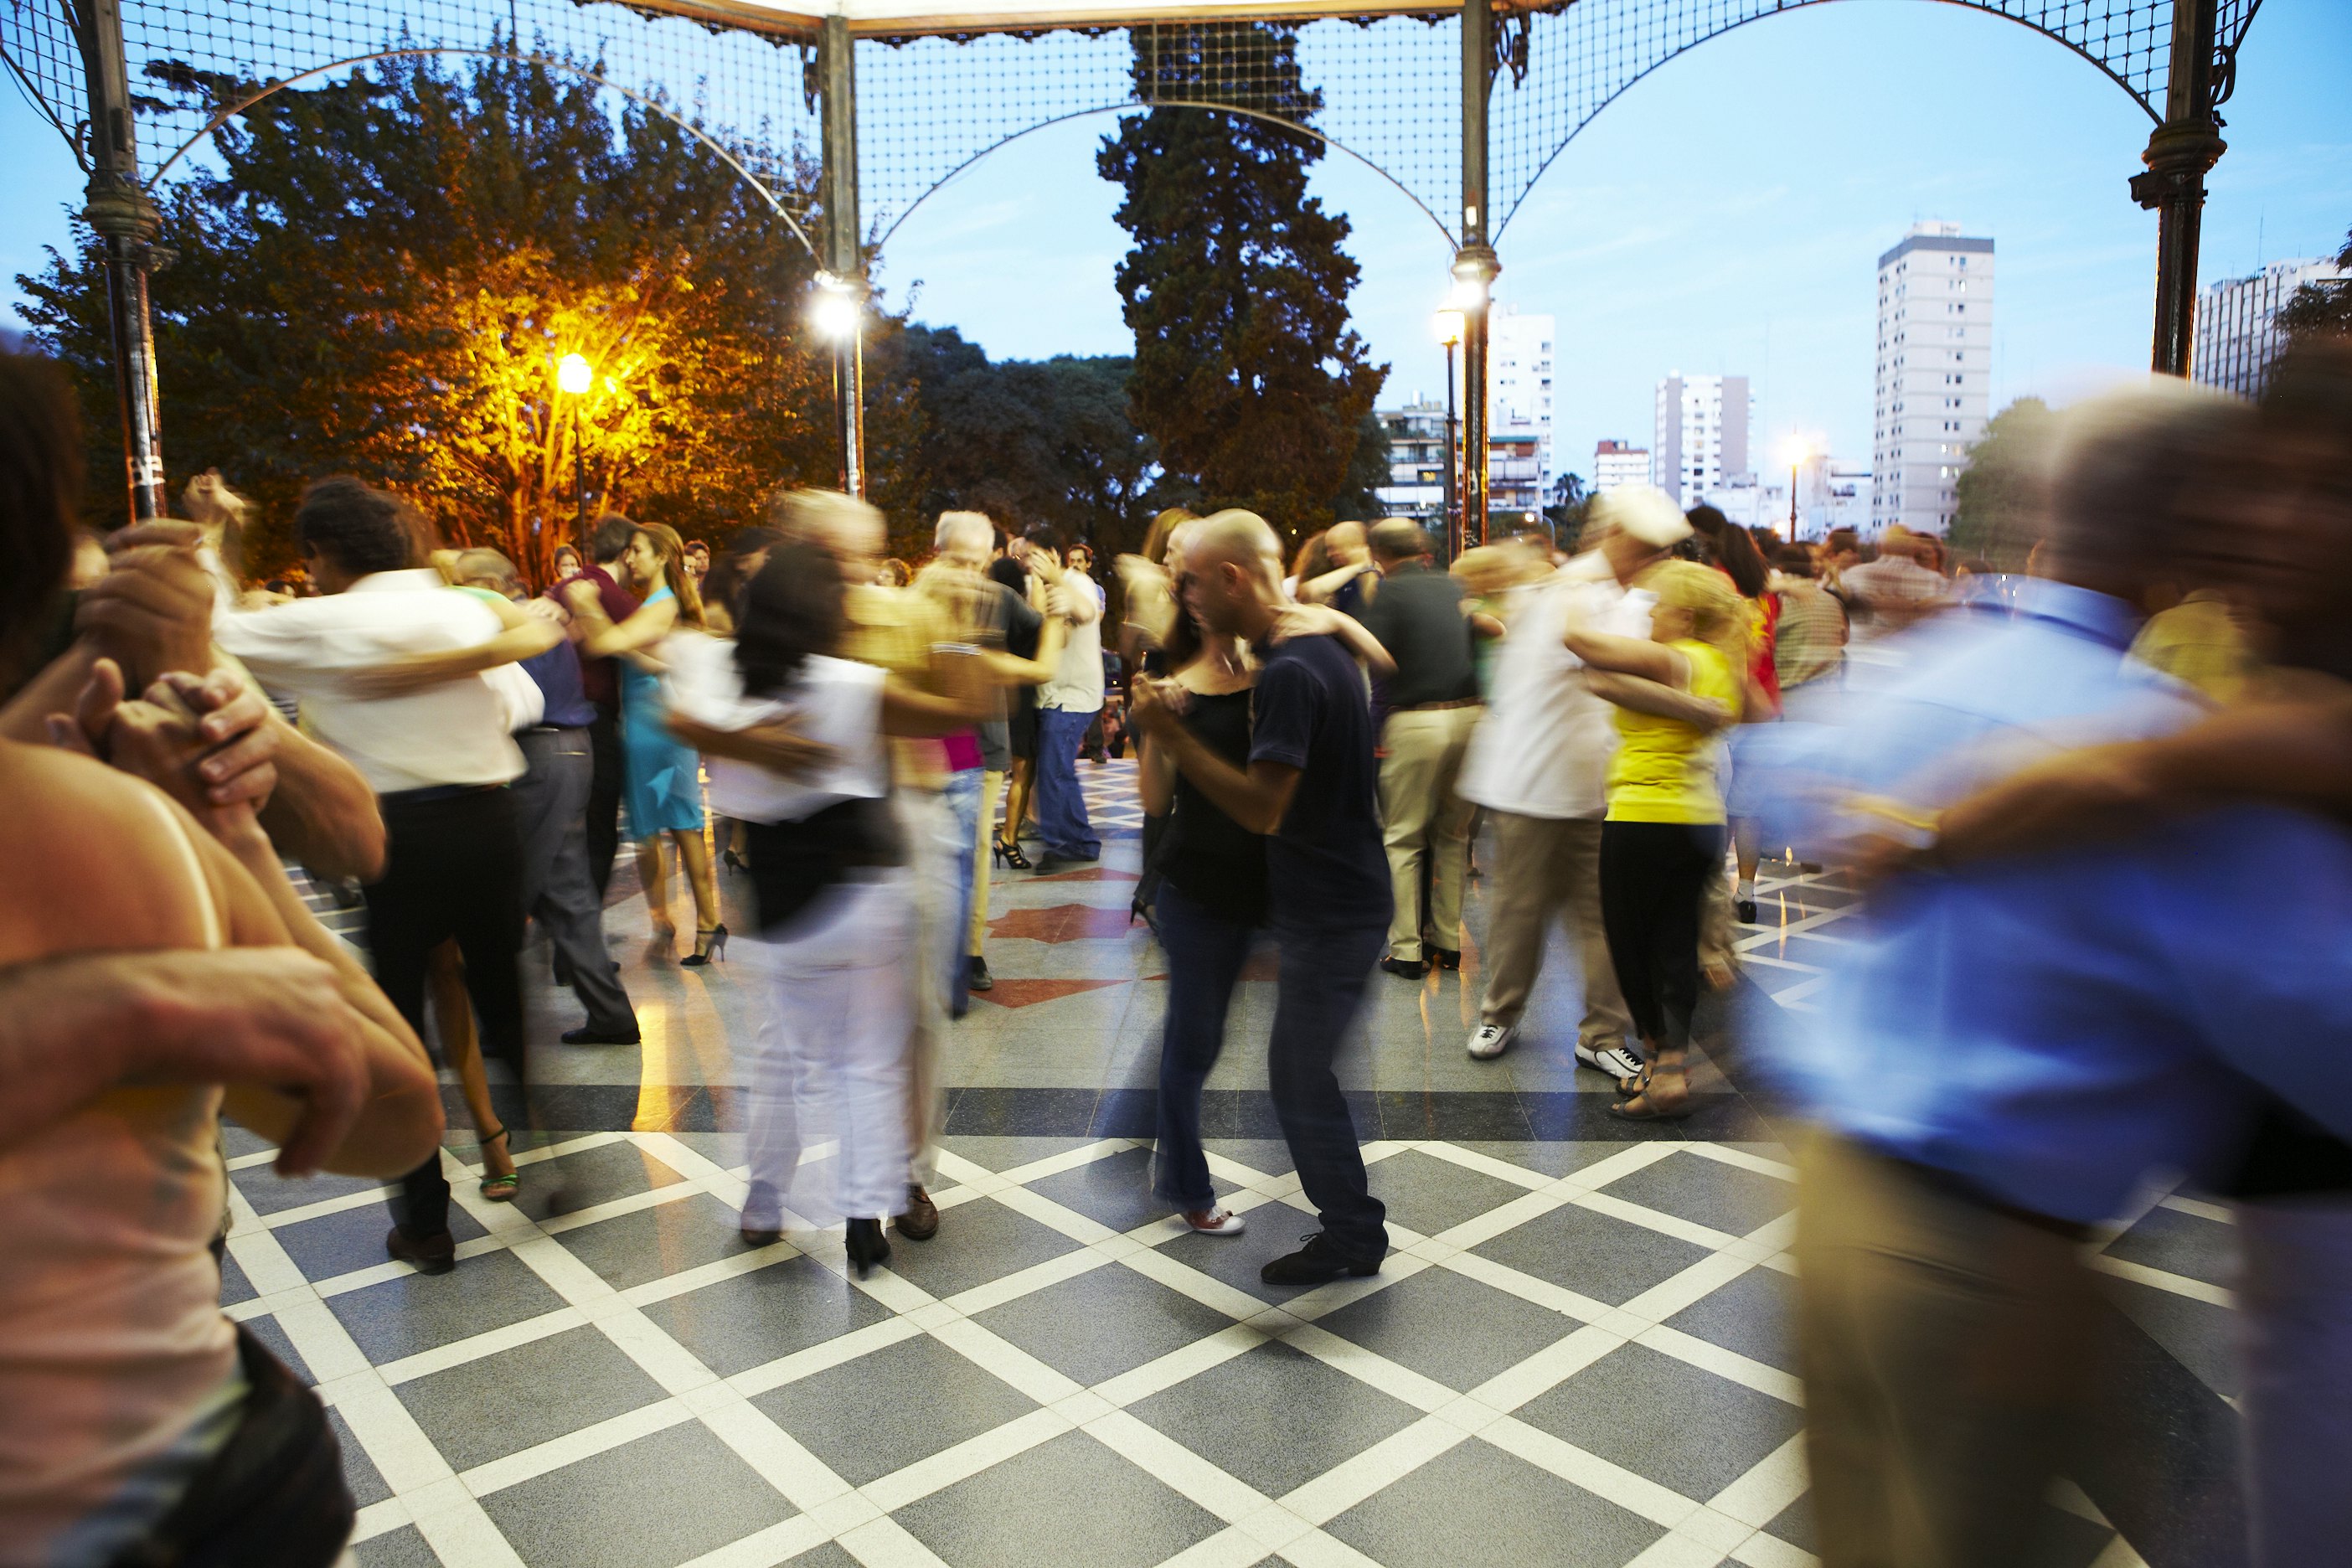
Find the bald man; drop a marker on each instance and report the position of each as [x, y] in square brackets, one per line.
[1311, 787]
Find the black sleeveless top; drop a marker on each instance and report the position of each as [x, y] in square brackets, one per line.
[1209, 857]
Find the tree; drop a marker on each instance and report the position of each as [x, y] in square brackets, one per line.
[1998, 518]
[381, 273]
[1246, 373]
[2315, 308]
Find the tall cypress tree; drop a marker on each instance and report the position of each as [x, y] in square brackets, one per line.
[1247, 372]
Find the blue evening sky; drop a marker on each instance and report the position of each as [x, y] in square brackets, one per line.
[1725, 215]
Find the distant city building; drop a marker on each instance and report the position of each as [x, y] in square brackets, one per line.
[2235, 338]
[1700, 443]
[1831, 492]
[1417, 486]
[1520, 452]
[1934, 373]
[1616, 463]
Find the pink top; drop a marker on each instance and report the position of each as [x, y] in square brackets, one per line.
[963, 752]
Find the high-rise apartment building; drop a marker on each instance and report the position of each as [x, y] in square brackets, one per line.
[1934, 373]
[1700, 443]
[2235, 339]
[1518, 401]
[1616, 463]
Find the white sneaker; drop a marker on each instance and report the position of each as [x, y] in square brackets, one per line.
[1218, 1221]
[1617, 1061]
[1488, 1041]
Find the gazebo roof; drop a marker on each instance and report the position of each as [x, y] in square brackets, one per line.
[907, 18]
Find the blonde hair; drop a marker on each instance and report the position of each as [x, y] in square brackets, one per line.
[1718, 614]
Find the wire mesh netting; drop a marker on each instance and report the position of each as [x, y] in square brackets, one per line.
[1387, 90]
[190, 59]
[1566, 63]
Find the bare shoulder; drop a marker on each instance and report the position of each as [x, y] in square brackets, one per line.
[91, 861]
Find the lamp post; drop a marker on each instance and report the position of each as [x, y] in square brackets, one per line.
[574, 377]
[1796, 450]
[836, 310]
[1448, 323]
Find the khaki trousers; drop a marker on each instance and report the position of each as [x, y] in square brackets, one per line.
[1547, 869]
[1422, 818]
[1946, 1346]
[991, 791]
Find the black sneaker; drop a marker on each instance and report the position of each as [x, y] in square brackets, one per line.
[1404, 968]
[593, 1035]
[1317, 1263]
[977, 978]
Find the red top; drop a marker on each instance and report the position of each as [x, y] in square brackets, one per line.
[1763, 626]
[599, 681]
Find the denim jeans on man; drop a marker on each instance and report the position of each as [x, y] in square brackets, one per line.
[1325, 967]
[961, 797]
[1061, 804]
[1205, 954]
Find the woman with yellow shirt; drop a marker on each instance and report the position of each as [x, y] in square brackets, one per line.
[1664, 833]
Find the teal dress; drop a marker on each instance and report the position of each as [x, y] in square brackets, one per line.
[660, 780]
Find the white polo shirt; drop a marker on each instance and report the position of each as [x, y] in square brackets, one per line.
[1077, 684]
[832, 701]
[452, 733]
[1544, 745]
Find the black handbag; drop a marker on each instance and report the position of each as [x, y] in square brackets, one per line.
[273, 1496]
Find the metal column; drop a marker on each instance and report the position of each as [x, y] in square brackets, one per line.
[1475, 266]
[845, 258]
[2183, 148]
[124, 221]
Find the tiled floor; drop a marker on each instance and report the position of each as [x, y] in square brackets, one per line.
[1577, 1355]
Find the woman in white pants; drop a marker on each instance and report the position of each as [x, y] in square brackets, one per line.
[795, 741]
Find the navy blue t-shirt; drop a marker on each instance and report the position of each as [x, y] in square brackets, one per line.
[1325, 863]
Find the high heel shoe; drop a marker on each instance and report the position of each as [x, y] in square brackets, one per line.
[1011, 855]
[498, 1189]
[866, 1245]
[729, 859]
[707, 944]
[662, 943]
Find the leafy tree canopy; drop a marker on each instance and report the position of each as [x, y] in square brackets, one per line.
[1246, 373]
[2319, 307]
[1999, 515]
[380, 275]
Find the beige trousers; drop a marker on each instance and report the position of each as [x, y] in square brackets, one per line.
[1948, 1351]
[991, 791]
[1422, 818]
[1547, 869]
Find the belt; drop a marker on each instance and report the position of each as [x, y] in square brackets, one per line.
[552, 729]
[433, 793]
[1433, 706]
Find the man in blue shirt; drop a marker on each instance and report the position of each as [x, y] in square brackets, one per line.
[2007, 1051]
[1312, 787]
[551, 818]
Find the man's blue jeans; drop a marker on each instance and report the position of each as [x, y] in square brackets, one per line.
[1322, 976]
[961, 796]
[1061, 804]
[1206, 954]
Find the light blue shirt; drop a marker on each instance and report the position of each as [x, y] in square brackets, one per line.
[2054, 1029]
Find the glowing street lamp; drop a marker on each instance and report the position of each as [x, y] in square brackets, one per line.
[1796, 450]
[835, 312]
[574, 377]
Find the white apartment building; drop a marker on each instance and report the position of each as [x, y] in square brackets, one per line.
[1700, 442]
[1616, 463]
[1519, 403]
[1934, 373]
[1417, 486]
[2235, 339]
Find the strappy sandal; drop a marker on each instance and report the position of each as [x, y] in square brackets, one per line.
[1012, 854]
[1647, 1105]
[501, 1189]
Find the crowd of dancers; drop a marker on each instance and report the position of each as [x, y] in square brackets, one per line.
[2099, 807]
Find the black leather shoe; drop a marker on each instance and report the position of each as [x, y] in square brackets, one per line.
[1317, 1263]
[1404, 968]
[977, 977]
[592, 1035]
[1746, 909]
[754, 1237]
[1446, 957]
[428, 1253]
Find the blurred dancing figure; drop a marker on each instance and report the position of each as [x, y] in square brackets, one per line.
[834, 903]
[388, 663]
[1663, 840]
[1431, 705]
[1539, 765]
[601, 679]
[661, 779]
[137, 1423]
[1310, 787]
[2013, 1045]
[1067, 707]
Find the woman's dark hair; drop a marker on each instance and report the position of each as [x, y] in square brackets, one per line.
[1795, 561]
[361, 528]
[792, 609]
[1010, 573]
[1728, 548]
[41, 492]
[728, 580]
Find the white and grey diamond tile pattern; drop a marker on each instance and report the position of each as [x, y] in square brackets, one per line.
[627, 1384]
